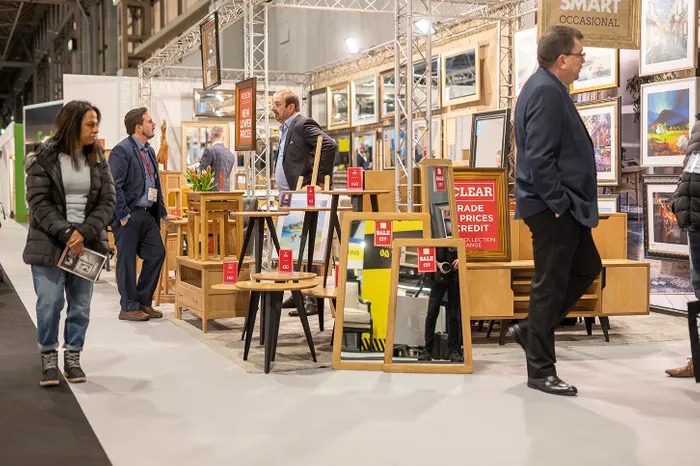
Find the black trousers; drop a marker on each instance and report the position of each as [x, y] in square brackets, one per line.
[566, 263]
[437, 291]
[140, 237]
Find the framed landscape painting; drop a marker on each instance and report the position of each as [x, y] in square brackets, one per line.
[669, 36]
[663, 237]
[668, 110]
[599, 71]
[525, 51]
[602, 120]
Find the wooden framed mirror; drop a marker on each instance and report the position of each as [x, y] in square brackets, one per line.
[196, 136]
[362, 292]
[420, 336]
[364, 148]
[364, 101]
[339, 106]
[318, 106]
[437, 194]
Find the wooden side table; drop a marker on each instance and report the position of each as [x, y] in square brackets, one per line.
[209, 202]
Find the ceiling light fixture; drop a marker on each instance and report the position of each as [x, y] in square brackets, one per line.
[351, 44]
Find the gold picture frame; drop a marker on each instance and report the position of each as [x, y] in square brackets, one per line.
[199, 132]
[361, 93]
[339, 116]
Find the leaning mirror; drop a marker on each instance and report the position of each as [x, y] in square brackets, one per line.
[362, 292]
[319, 106]
[490, 139]
[339, 106]
[428, 328]
[420, 137]
[458, 135]
[461, 80]
[364, 101]
[389, 144]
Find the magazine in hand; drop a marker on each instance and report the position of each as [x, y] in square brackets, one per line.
[87, 266]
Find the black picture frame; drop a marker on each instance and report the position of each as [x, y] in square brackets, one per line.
[660, 224]
[479, 121]
[211, 59]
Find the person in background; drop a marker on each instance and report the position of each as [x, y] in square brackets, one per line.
[219, 158]
[556, 196]
[361, 159]
[137, 216]
[71, 200]
[686, 207]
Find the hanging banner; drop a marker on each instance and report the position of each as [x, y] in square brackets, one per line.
[245, 114]
[604, 23]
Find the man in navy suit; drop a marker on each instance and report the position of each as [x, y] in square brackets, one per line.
[556, 196]
[219, 158]
[138, 212]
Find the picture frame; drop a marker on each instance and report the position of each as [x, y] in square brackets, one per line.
[668, 110]
[288, 228]
[318, 106]
[525, 57]
[344, 154]
[438, 203]
[339, 106]
[211, 60]
[419, 91]
[602, 120]
[663, 238]
[366, 145]
[387, 91]
[668, 45]
[608, 203]
[600, 70]
[457, 135]
[490, 142]
[482, 215]
[358, 254]
[219, 103]
[246, 114]
[461, 77]
[409, 363]
[195, 138]
[364, 101]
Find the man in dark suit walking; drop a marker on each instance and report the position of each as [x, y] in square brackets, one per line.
[219, 158]
[138, 212]
[556, 196]
[295, 156]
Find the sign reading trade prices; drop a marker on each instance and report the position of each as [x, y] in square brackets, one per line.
[604, 23]
[477, 214]
[245, 114]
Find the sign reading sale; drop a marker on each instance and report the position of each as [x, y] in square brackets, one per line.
[286, 263]
[382, 234]
[245, 114]
[426, 260]
[440, 183]
[311, 196]
[230, 272]
[477, 214]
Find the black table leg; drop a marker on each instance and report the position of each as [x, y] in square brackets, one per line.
[269, 309]
[304, 322]
[319, 306]
[273, 233]
[250, 322]
[375, 202]
[246, 240]
[313, 226]
[259, 239]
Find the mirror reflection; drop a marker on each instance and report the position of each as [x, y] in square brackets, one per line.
[363, 145]
[365, 101]
[342, 156]
[489, 139]
[340, 106]
[319, 107]
[461, 76]
[428, 325]
[366, 301]
[388, 91]
[421, 145]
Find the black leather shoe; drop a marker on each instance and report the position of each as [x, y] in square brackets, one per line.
[519, 334]
[552, 385]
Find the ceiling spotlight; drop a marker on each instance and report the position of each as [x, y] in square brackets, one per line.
[424, 26]
[351, 44]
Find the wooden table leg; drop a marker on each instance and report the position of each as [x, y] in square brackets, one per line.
[204, 231]
[329, 240]
[273, 233]
[163, 270]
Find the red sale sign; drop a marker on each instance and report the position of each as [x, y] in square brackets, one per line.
[286, 264]
[355, 177]
[382, 234]
[477, 214]
[311, 196]
[440, 182]
[426, 260]
[230, 272]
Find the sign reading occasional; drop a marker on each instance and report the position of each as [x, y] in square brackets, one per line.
[477, 214]
[245, 114]
[604, 23]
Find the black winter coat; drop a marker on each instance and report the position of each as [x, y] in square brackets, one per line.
[49, 229]
[686, 199]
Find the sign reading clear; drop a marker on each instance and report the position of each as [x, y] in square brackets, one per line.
[604, 23]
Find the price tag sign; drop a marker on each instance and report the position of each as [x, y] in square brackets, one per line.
[286, 261]
[439, 176]
[230, 272]
[176, 212]
[382, 234]
[311, 196]
[426, 260]
[355, 178]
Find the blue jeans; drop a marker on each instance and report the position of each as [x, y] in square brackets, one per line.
[50, 284]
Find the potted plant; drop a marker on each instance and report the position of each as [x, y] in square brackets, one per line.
[200, 180]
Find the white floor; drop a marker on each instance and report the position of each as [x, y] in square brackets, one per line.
[156, 396]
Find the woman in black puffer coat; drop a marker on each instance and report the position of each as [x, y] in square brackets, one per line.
[686, 206]
[71, 199]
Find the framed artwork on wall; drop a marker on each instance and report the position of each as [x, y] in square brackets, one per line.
[387, 90]
[318, 99]
[211, 61]
[669, 40]
[602, 120]
[364, 101]
[668, 111]
[663, 238]
[364, 148]
[600, 70]
[218, 103]
[525, 52]
[419, 77]
[490, 139]
[457, 135]
[461, 80]
[608, 203]
[339, 106]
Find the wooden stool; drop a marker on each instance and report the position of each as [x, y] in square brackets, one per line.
[218, 228]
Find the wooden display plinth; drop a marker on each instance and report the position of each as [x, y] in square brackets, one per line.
[193, 290]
